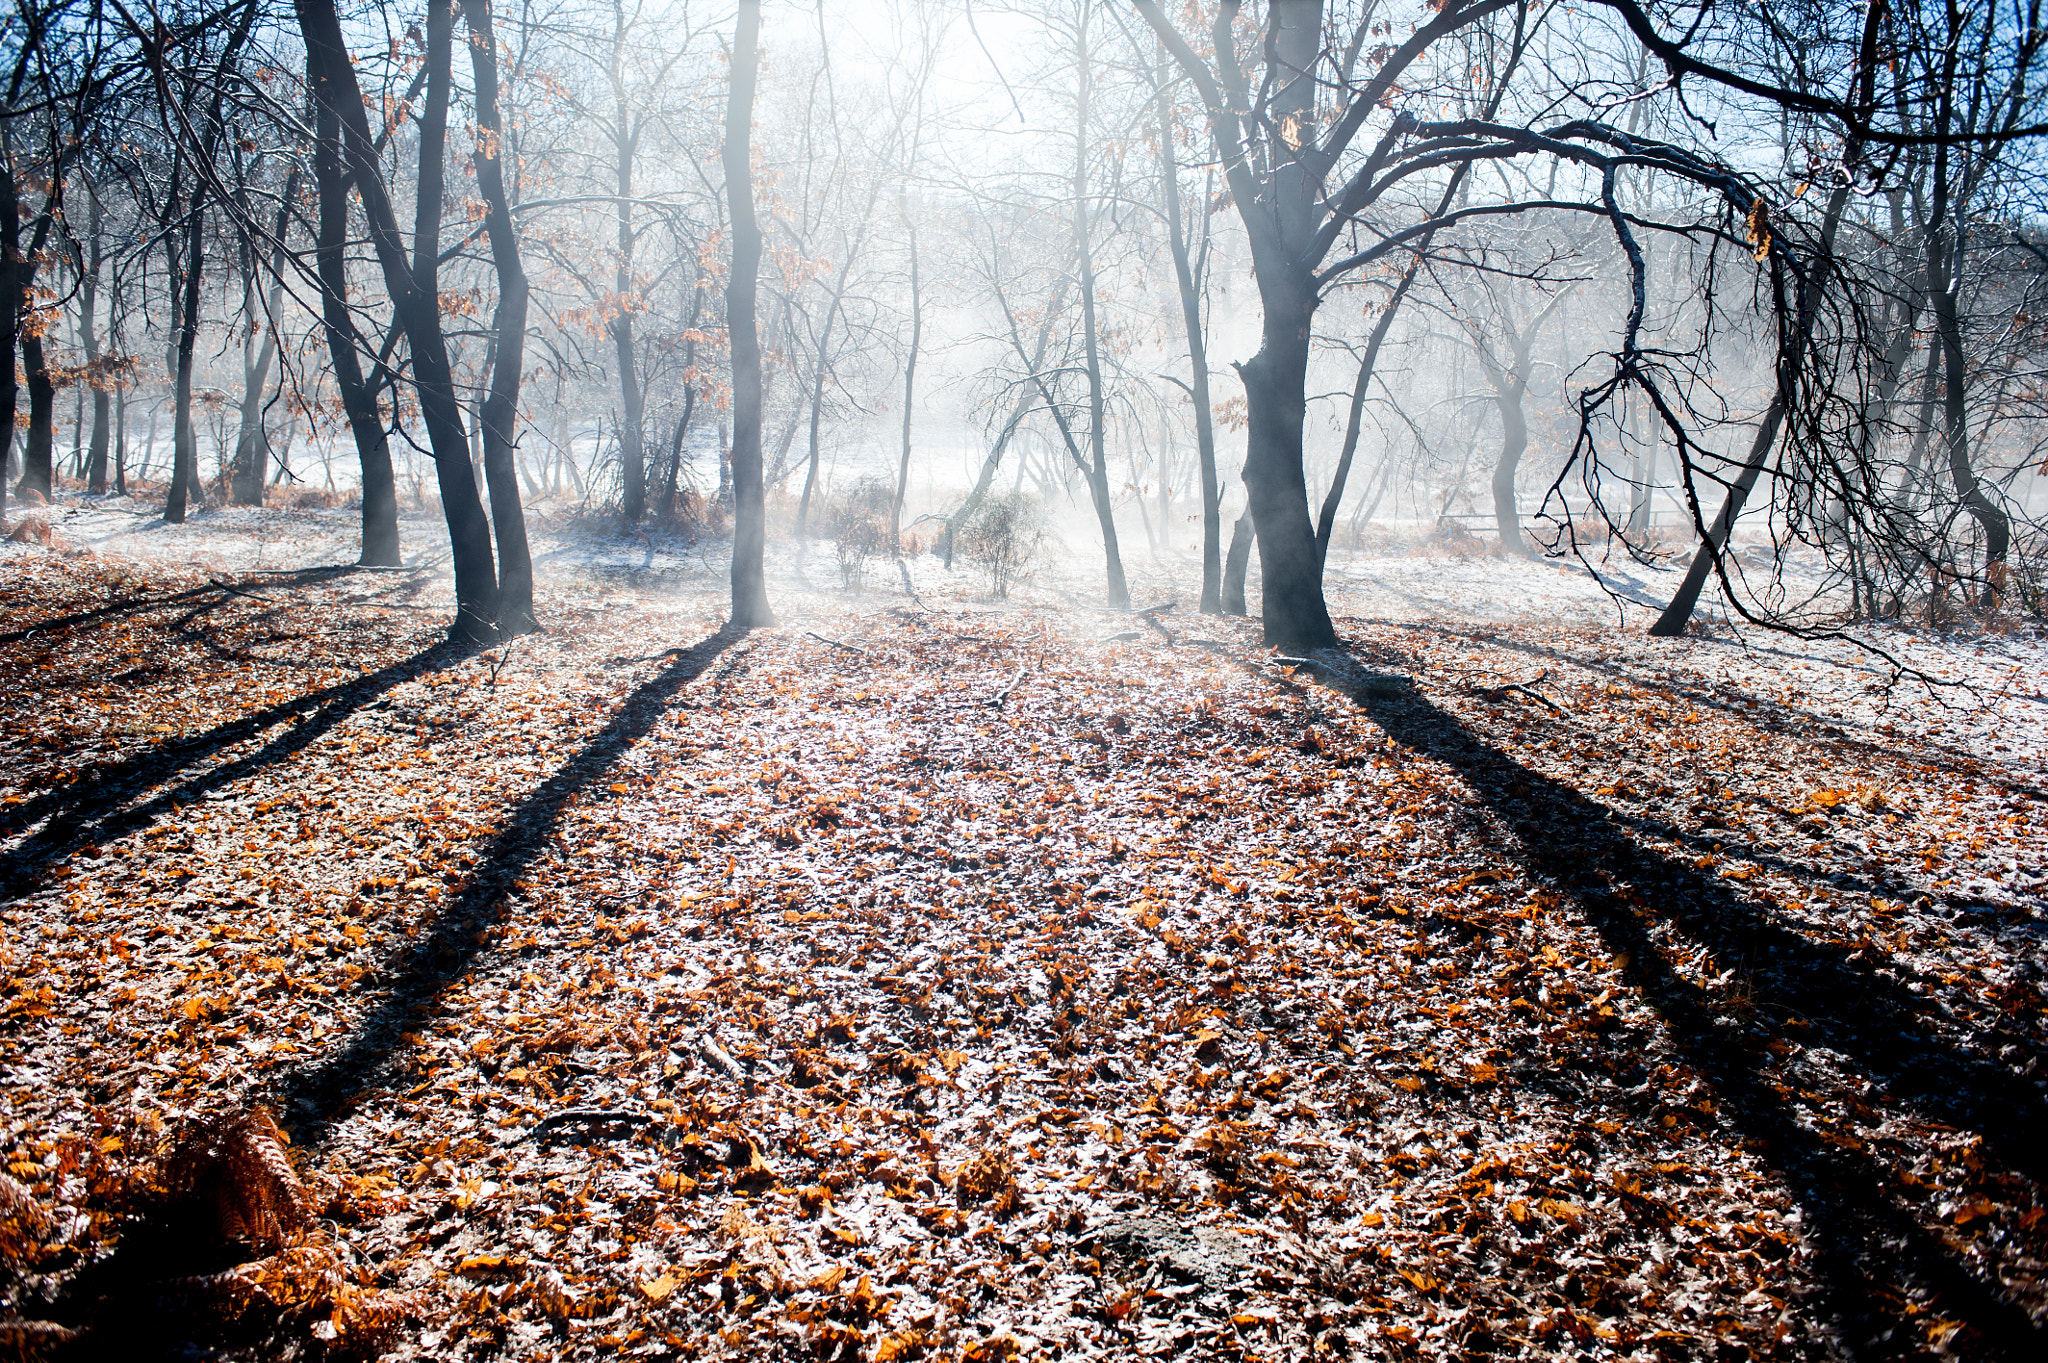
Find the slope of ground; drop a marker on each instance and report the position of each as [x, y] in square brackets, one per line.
[929, 977]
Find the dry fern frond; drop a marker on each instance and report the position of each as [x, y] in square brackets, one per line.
[25, 1224]
[293, 1280]
[236, 1166]
[363, 1320]
[30, 1339]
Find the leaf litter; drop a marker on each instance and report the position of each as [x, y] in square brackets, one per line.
[948, 983]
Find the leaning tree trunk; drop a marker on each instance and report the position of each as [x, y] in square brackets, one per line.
[750, 514]
[358, 400]
[1791, 359]
[501, 408]
[413, 287]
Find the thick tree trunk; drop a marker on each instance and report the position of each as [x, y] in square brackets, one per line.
[414, 290]
[1290, 564]
[750, 529]
[39, 450]
[501, 408]
[358, 400]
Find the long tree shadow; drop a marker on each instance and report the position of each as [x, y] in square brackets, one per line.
[1863, 1238]
[99, 806]
[315, 1097]
[298, 577]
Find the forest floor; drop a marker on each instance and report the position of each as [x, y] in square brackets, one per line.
[932, 977]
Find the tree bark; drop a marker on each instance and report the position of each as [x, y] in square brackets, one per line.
[1236, 565]
[1198, 352]
[252, 448]
[750, 529]
[1791, 358]
[88, 333]
[413, 289]
[184, 437]
[1119, 594]
[380, 547]
[501, 407]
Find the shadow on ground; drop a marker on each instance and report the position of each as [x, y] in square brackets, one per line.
[1869, 1246]
[313, 1099]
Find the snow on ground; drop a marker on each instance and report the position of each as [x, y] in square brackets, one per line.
[1984, 693]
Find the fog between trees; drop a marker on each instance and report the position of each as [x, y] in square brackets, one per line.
[1241, 283]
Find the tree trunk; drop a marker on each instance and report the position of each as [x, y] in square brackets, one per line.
[251, 447]
[1354, 421]
[909, 393]
[358, 400]
[88, 335]
[414, 289]
[1198, 351]
[1276, 402]
[820, 372]
[13, 296]
[120, 444]
[750, 528]
[184, 438]
[1792, 356]
[501, 408]
[1098, 468]
[1514, 441]
[1236, 564]
[1945, 273]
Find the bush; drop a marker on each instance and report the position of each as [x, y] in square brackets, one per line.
[858, 523]
[1006, 536]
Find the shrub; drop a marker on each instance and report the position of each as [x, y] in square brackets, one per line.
[858, 522]
[1006, 535]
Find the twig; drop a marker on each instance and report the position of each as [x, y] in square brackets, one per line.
[236, 590]
[1003, 695]
[720, 1059]
[1527, 688]
[1151, 618]
[836, 644]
